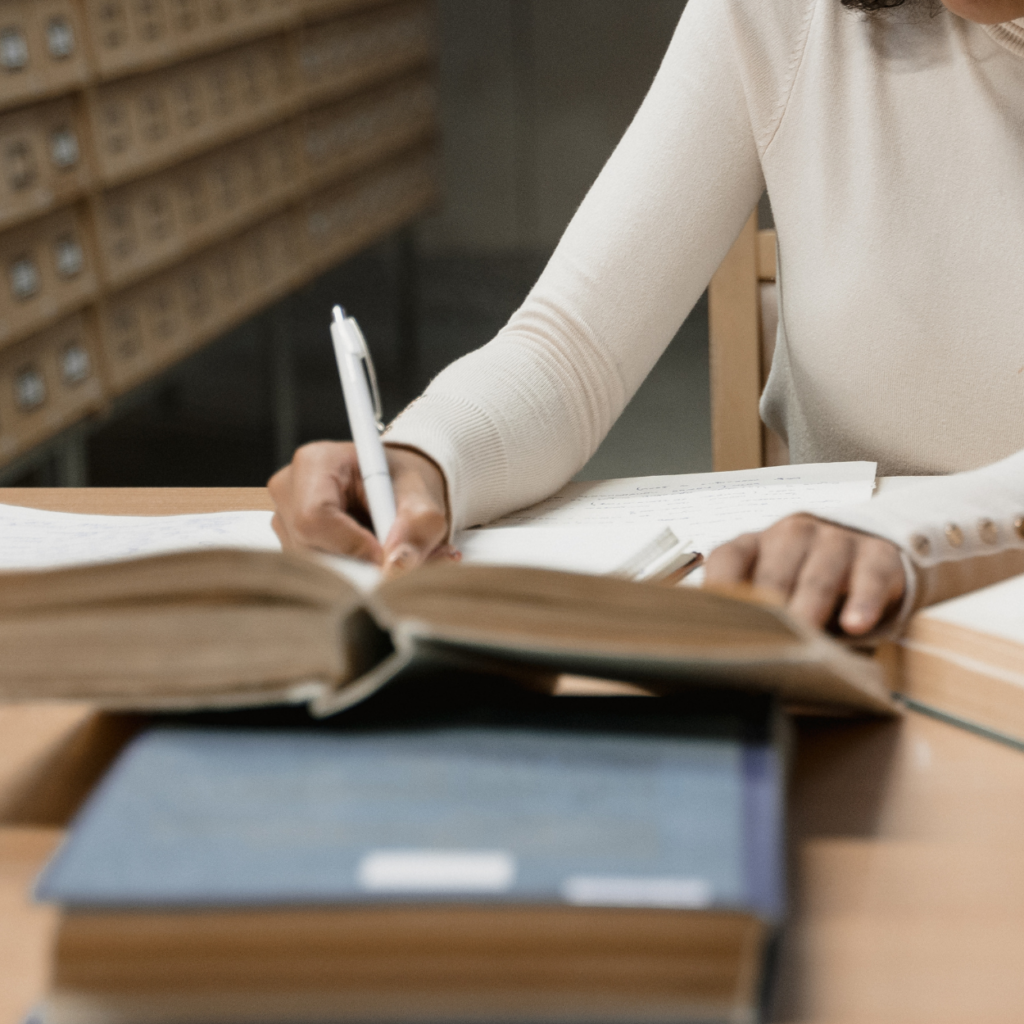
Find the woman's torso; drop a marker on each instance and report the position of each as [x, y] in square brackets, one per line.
[897, 183]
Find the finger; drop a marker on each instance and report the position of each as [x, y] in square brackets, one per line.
[824, 576]
[312, 496]
[446, 553]
[420, 528]
[421, 516]
[784, 549]
[327, 528]
[732, 562]
[877, 581]
[279, 486]
[278, 526]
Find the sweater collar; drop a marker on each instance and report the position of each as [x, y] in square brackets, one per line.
[1009, 34]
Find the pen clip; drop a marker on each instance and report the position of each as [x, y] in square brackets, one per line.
[371, 374]
[363, 354]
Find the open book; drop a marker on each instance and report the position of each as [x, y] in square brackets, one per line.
[233, 628]
[187, 623]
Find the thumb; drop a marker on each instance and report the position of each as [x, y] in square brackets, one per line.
[419, 528]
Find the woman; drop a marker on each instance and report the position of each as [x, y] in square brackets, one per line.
[892, 147]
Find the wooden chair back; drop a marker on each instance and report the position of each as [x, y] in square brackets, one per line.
[743, 316]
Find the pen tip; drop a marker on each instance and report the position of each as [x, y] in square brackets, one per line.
[339, 313]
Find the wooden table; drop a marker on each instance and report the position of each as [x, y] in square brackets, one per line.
[907, 843]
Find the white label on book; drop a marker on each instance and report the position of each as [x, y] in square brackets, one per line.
[625, 891]
[437, 871]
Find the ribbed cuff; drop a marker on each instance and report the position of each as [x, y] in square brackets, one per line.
[467, 446]
[955, 533]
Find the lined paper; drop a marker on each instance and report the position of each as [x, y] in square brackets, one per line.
[35, 539]
[585, 527]
[707, 508]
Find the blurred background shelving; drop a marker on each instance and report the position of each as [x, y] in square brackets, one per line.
[184, 341]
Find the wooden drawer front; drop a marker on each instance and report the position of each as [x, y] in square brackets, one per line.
[313, 10]
[344, 218]
[48, 269]
[137, 35]
[41, 50]
[223, 22]
[154, 120]
[150, 326]
[43, 160]
[161, 219]
[341, 56]
[47, 382]
[344, 137]
[128, 34]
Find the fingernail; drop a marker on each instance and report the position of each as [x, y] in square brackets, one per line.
[855, 619]
[401, 558]
[451, 552]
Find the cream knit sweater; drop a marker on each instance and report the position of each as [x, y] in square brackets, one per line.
[892, 148]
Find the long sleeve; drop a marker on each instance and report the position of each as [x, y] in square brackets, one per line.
[901, 301]
[958, 532]
[513, 421]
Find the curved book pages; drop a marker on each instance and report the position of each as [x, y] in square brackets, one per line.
[222, 628]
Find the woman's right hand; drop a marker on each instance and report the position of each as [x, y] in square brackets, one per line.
[321, 505]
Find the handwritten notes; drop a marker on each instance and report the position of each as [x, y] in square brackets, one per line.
[33, 539]
[586, 526]
[707, 508]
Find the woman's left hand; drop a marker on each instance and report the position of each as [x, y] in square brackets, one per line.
[818, 569]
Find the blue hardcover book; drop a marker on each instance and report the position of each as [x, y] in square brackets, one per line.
[547, 860]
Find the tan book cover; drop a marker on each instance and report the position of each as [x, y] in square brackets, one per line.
[964, 659]
[221, 628]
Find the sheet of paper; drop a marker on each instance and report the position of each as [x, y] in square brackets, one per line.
[586, 527]
[34, 539]
[706, 508]
[599, 550]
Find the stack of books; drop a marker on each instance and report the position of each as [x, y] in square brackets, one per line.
[455, 849]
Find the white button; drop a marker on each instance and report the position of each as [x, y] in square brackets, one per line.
[29, 388]
[75, 365]
[64, 150]
[13, 49]
[69, 256]
[24, 278]
[60, 38]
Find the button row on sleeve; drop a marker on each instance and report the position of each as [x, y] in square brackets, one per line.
[988, 533]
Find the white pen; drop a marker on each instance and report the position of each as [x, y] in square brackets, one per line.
[364, 417]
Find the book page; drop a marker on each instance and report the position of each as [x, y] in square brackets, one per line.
[704, 509]
[597, 550]
[997, 610]
[35, 539]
